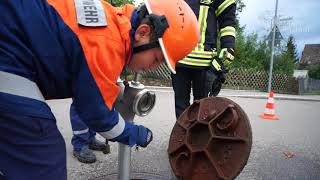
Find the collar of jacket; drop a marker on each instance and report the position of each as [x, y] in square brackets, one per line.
[124, 13]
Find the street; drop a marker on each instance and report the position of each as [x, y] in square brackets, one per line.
[284, 149]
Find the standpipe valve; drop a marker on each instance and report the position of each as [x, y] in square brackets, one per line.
[132, 100]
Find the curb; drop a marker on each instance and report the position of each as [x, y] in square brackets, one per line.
[276, 98]
[258, 96]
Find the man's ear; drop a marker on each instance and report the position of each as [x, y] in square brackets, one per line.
[142, 33]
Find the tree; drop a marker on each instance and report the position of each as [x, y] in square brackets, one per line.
[283, 64]
[285, 61]
[292, 49]
[314, 72]
[252, 54]
[240, 6]
[120, 2]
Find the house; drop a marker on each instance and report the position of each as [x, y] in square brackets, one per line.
[298, 74]
[310, 56]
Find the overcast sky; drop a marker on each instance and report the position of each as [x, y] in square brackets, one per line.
[304, 25]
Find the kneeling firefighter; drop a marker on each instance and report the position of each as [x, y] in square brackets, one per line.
[58, 49]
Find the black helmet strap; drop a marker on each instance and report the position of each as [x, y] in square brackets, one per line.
[160, 25]
[145, 47]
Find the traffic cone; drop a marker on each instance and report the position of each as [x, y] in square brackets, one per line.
[269, 109]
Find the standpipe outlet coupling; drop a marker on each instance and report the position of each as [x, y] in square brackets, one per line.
[134, 99]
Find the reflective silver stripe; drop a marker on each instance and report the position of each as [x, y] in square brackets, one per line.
[81, 132]
[20, 86]
[269, 111]
[115, 131]
[271, 100]
[206, 2]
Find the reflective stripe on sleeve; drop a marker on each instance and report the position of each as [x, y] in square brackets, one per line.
[224, 6]
[115, 131]
[216, 65]
[202, 54]
[81, 131]
[195, 62]
[199, 58]
[202, 20]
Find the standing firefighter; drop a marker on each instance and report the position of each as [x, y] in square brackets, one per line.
[77, 48]
[203, 69]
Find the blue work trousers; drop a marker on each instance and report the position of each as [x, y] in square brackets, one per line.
[82, 135]
[31, 146]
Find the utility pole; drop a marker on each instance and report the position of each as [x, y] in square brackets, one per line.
[272, 46]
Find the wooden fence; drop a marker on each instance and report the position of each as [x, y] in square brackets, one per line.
[245, 79]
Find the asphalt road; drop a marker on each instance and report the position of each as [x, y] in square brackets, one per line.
[296, 134]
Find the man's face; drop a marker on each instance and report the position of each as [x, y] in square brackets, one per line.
[145, 60]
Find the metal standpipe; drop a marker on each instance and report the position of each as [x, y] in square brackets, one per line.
[133, 100]
[124, 162]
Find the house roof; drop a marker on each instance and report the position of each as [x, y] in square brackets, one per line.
[311, 54]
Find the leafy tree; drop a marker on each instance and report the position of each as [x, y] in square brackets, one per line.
[120, 2]
[285, 61]
[240, 7]
[252, 54]
[283, 64]
[314, 72]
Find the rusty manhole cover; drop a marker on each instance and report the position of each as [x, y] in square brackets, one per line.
[135, 176]
[212, 139]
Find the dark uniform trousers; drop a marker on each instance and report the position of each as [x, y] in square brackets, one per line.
[183, 81]
[31, 146]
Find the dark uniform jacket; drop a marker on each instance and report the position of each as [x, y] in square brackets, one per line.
[216, 20]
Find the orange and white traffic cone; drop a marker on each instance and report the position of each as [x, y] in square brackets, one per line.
[269, 112]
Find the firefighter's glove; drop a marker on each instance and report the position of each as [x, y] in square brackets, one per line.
[216, 65]
[215, 76]
[144, 136]
[226, 55]
[214, 82]
[135, 135]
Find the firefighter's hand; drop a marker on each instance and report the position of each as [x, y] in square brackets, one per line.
[144, 136]
[226, 55]
[213, 82]
[215, 77]
[134, 135]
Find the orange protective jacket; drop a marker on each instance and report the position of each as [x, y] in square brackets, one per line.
[53, 44]
[106, 48]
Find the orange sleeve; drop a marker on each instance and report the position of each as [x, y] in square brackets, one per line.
[105, 48]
